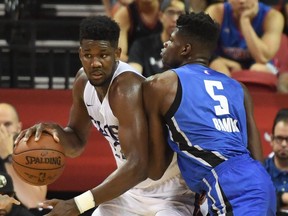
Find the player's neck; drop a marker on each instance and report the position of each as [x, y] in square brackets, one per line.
[198, 60]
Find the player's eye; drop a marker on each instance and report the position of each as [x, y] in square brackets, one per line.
[7, 124]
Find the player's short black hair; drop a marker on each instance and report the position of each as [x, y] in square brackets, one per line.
[100, 28]
[199, 27]
[282, 115]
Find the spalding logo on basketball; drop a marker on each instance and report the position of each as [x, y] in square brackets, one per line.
[39, 163]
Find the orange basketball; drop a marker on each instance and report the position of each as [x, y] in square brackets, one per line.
[39, 163]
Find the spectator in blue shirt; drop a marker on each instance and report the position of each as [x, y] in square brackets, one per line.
[277, 163]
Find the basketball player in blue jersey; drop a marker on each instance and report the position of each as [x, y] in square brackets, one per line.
[250, 36]
[207, 119]
[107, 94]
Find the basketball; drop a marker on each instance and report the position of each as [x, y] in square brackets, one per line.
[39, 163]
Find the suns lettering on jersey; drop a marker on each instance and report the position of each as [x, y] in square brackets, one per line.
[111, 134]
[222, 108]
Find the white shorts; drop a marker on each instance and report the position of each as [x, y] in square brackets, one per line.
[171, 198]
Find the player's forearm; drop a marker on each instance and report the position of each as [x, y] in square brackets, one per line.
[257, 48]
[72, 143]
[121, 180]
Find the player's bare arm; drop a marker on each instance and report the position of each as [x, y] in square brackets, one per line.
[74, 136]
[157, 102]
[254, 143]
[125, 100]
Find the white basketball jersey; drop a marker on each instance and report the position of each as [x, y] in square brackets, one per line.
[103, 119]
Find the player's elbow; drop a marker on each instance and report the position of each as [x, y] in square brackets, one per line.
[139, 169]
[156, 175]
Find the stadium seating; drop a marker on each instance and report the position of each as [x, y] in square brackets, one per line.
[260, 81]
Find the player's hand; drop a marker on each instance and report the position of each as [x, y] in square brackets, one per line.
[61, 207]
[6, 142]
[251, 11]
[38, 129]
[6, 200]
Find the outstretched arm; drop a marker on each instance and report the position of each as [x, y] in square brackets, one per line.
[73, 137]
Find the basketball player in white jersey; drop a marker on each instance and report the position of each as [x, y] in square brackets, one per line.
[107, 94]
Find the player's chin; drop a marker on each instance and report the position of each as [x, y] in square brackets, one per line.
[96, 82]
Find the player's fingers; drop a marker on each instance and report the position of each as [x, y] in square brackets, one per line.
[19, 137]
[16, 202]
[42, 206]
[50, 203]
[48, 128]
[39, 128]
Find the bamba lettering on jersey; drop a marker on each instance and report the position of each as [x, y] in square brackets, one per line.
[226, 124]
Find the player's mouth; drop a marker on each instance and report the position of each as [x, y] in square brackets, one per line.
[96, 76]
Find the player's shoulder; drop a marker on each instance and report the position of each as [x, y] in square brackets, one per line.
[81, 76]
[80, 80]
[127, 81]
[160, 81]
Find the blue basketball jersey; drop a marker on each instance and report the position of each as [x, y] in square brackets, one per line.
[232, 44]
[207, 129]
[207, 121]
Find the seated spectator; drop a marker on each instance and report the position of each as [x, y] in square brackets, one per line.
[250, 36]
[6, 188]
[138, 19]
[144, 56]
[10, 126]
[277, 164]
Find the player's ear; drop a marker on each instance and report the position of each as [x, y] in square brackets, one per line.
[80, 52]
[186, 49]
